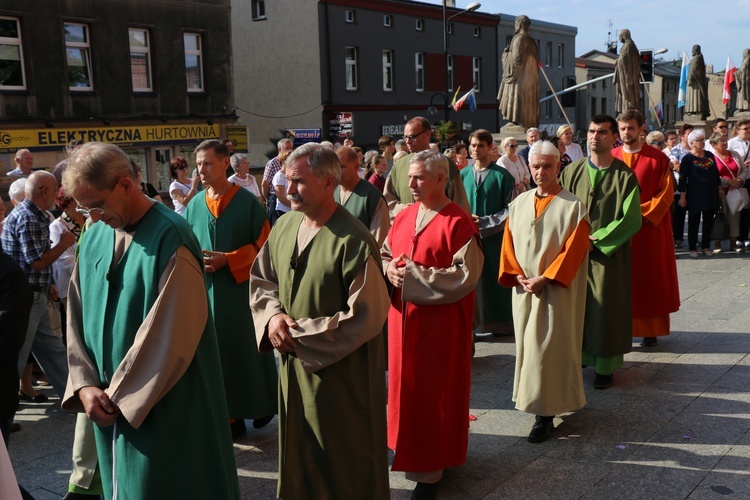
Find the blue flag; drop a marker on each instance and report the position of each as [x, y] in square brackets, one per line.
[682, 94]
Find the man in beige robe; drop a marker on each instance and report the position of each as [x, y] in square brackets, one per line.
[544, 256]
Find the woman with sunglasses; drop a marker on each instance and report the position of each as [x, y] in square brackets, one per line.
[516, 165]
[182, 188]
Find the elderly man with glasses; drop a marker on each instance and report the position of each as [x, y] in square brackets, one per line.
[397, 192]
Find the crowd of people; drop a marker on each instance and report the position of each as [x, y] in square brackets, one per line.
[344, 293]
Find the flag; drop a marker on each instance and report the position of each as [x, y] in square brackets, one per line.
[726, 92]
[657, 112]
[682, 94]
[453, 102]
[467, 98]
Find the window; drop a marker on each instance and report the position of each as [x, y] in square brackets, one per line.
[450, 72]
[419, 70]
[350, 16]
[140, 60]
[194, 61]
[548, 105]
[419, 24]
[258, 8]
[548, 54]
[477, 31]
[387, 70]
[476, 72]
[387, 21]
[604, 105]
[593, 106]
[351, 68]
[12, 75]
[78, 53]
[604, 84]
[560, 55]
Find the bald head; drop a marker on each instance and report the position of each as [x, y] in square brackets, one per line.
[41, 189]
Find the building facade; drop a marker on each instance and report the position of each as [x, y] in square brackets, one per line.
[151, 77]
[364, 67]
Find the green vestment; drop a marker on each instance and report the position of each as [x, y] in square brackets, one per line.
[249, 377]
[489, 198]
[183, 448]
[332, 440]
[612, 198]
[362, 203]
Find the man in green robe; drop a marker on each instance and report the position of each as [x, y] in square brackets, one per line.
[319, 298]
[232, 226]
[361, 199]
[397, 193]
[144, 362]
[489, 188]
[609, 189]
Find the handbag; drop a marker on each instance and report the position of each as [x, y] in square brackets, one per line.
[720, 227]
[737, 199]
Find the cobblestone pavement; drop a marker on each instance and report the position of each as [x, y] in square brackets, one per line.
[674, 426]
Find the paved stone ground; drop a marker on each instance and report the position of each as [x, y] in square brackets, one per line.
[675, 425]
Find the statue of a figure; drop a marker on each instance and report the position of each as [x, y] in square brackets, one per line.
[742, 80]
[628, 75]
[696, 104]
[519, 87]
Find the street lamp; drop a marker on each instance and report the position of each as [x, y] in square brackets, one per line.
[469, 8]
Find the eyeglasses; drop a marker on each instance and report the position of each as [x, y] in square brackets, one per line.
[88, 211]
[512, 146]
[657, 144]
[181, 167]
[721, 126]
[413, 137]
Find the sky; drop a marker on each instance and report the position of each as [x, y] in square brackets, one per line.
[720, 27]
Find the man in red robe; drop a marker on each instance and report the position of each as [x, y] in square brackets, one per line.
[433, 259]
[655, 289]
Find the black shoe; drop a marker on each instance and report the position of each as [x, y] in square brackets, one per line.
[649, 342]
[259, 423]
[603, 381]
[542, 429]
[15, 427]
[238, 428]
[425, 491]
[39, 398]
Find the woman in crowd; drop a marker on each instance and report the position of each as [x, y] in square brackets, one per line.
[241, 175]
[182, 189]
[516, 165]
[462, 155]
[280, 183]
[574, 151]
[733, 173]
[375, 171]
[564, 158]
[655, 139]
[699, 191]
[146, 187]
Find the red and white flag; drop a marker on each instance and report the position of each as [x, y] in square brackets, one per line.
[726, 92]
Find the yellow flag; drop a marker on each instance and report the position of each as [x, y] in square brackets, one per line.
[453, 102]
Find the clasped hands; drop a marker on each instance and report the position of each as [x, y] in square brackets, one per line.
[99, 408]
[396, 270]
[532, 285]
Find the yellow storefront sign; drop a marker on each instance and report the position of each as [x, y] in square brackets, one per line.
[238, 136]
[57, 138]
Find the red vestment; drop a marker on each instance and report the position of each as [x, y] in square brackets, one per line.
[429, 350]
[655, 288]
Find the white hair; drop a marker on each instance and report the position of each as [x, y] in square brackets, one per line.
[17, 190]
[544, 148]
[694, 136]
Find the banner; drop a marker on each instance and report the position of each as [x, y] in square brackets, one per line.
[55, 139]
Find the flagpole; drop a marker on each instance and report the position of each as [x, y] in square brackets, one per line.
[555, 94]
[648, 94]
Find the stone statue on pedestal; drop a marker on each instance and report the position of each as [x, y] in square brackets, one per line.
[696, 104]
[628, 75]
[742, 80]
[519, 87]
